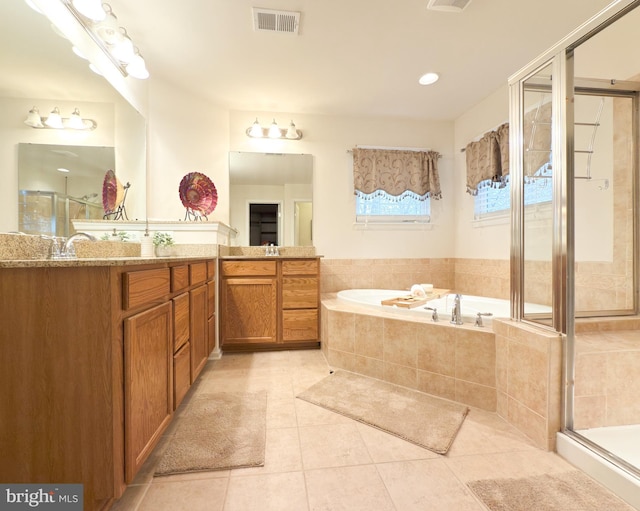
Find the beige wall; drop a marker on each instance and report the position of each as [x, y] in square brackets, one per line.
[328, 138]
[185, 134]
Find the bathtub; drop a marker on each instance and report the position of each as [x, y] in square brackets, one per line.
[470, 305]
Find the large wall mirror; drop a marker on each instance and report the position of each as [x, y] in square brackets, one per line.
[39, 68]
[271, 198]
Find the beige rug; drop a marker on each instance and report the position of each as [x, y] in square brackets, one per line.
[567, 491]
[425, 420]
[217, 431]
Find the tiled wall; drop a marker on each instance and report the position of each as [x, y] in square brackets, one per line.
[339, 274]
[599, 285]
[481, 277]
[529, 380]
[606, 378]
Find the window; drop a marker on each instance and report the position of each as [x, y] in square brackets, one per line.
[382, 207]
[492, 200]
[394, 185]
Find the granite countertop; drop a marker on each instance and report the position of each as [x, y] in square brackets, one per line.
[254, 257]
[106, 261]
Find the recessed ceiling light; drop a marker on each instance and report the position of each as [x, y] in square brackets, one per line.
[62, 169]
[428, 78]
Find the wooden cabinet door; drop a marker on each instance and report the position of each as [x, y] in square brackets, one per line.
[249, 311]
[180, 321]
[148, 385]
[199, 330]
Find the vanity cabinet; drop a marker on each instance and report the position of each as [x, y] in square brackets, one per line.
[249, 301]
[96, 356]
[269, 303]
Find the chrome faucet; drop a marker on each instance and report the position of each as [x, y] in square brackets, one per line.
[68, 251]
[456, 315]
[434, 315]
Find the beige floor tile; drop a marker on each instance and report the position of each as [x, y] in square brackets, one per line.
[323, 461]
[198, 495]
[281, 413]
[282, 454]
[332, 445]
[268, 492]
[512, 464]
[347, 489]
[131, 498]
[384, 447]
[426, 484]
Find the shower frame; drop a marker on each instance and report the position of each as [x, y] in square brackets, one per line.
[560, 59]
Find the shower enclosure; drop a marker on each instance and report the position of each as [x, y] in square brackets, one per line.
[574, 126]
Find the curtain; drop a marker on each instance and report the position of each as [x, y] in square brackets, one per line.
[488, 159]
[396, 172]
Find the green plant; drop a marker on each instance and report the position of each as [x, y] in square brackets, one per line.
[163, 239]
[121, 235]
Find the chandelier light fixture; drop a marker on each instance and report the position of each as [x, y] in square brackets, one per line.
[56, 121]
[274, 131]
[101, 23]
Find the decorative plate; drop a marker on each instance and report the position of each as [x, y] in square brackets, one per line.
[110, 191]
[198, 193]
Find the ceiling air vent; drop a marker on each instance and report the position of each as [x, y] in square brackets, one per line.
[448, 5]
[268, 20]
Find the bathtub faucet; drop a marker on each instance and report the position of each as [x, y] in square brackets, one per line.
[434, 316]
[456, 315]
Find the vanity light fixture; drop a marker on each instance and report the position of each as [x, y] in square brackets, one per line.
[101, 23]
[56, 121]
[274, 131]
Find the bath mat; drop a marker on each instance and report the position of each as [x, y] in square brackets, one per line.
[566, 491]
[217, 431]
[424, 420]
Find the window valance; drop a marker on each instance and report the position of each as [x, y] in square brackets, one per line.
[488, 158]
[396, 172]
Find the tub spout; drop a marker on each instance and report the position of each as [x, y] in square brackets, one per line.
[456, 315]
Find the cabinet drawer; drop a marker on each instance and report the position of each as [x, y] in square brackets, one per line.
[145, 287]
[248, 268]
[299, 292]
[180, 320]
[179, 278]
[181, 374]
[300, 267]
[197, 273]
[300, 325]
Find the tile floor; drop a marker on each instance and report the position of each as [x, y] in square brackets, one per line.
[317, 460]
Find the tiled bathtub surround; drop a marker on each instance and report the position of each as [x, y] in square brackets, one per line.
[515, 371]
[529, 379]
[453, 362]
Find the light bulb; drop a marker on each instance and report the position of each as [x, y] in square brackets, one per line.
[292, 132]
[274, 131]
[54, 120]
[256, 130]
[91, 9]
[137, 67]
[33, 119]
[75, 121]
